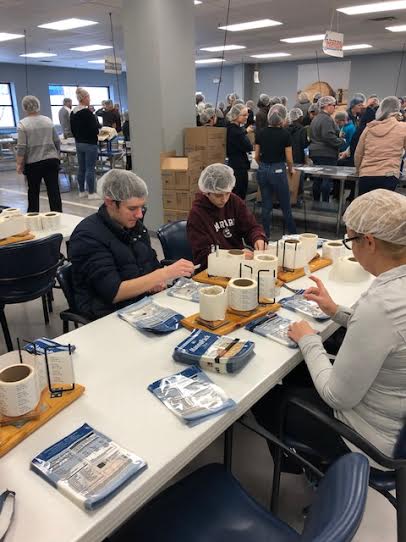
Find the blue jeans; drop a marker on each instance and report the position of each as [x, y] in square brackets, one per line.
[87, 156]
[322, 186]
[272, 178]
[366, 184]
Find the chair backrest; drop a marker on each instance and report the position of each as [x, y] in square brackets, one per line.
[174, 241]
[339, 504]
[64, 276]
[28, 268]
[400, 448]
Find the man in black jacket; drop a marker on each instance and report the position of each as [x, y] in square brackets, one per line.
[113, 263]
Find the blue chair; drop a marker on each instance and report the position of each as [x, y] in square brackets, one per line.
[382, 481]
[211, 506]
[27, 272]
[174, 242]
[72, 314]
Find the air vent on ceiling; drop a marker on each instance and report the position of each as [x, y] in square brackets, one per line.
[383, 19]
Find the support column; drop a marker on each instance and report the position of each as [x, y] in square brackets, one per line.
[159, 42]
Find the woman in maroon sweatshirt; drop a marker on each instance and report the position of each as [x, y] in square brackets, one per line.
[219, 217]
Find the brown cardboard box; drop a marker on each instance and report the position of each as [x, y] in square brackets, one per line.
[210, 141]
[181, 173]
[177, 200]
[173, 216]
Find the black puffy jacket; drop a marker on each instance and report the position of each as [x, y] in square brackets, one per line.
[103, 255]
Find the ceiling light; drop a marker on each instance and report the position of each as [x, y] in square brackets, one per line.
[374, 8]
[89, 48]
[303, 39]
[358, 46]
[251, 25]
[270, 55]
[197, 2]
[100, 61]
[67, 24]
[223, 48]
[397, 28]
[209, 60]
[38, 55]
[4, 36]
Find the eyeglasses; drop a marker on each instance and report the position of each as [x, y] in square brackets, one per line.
[347, 241]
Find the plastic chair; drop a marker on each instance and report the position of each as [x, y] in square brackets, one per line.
[380, 480]
[27, 272]
[211, 506]
[72, 314]
[174, 242]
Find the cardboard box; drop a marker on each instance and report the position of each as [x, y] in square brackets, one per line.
[173, 216]
[177, 200]
[180, 172]
[210, 141]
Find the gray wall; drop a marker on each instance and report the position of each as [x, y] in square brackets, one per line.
[39, 77]
[204, 82]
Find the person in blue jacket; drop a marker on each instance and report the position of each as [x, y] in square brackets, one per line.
[113, 263]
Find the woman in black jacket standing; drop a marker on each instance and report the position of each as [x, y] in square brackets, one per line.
[238, 145]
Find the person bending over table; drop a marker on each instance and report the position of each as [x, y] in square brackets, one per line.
[219, 217]
[366, 386]
[113, 263]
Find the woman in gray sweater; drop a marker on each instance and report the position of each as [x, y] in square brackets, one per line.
[366, 386]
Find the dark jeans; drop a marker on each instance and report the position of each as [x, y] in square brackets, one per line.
[366, 184]
[241, 182]
[87, 156]
[49, 171]
[273, 178]
[322, 186]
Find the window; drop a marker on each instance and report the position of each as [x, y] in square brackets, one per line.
[58, 92]
[7, 118]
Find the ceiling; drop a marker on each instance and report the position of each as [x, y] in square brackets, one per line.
[299, 17]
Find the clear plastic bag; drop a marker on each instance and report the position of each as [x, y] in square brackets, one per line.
[146, 315]
[299, 304]
[273, 327]
[186, 289]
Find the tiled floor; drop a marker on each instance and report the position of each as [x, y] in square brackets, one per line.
[251, 461]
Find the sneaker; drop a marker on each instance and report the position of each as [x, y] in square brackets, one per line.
[83, 194]
[93, 196]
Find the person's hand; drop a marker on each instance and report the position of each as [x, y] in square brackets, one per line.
[297, 330]
[250, 129]
[20, 169]
[260, 244]
[158, 288]
[181, 268]
[248, 255]
[320, 295]
[291, 170]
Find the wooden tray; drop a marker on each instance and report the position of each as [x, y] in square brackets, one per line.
[314, 265]
[234, 320]
[217, 281]
[11, 435]
[25, 236]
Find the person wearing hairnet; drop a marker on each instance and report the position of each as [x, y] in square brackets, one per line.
[273, 152]
[300, 142]
[208, 117]
[356, 108]
[113, 263]
[37, 149]
[303, 103]
[261, 118]
[219, 217]
[380, 148]
[324, 145]
[250, 105]
[110, 115]
[238, 145]
[366, 386]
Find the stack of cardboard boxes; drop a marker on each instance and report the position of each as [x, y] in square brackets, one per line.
[210, 141]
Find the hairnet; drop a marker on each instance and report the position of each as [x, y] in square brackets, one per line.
[238, 101]
[277, 114]
[250, 104]
[360, 96]
[67, 100]
[219, 114]
[30, 104]
[314, 108]
[120, 185]
[303, 98]
[341, 115]
[199, 97]
[356, 100]
[208, 105]
[284, 100]
[206, 115]
[380, 213]
[108, 102]
[235, 111]
[216, 178]
[389, 107]
[222, 105]
[275, 100]
[81, 94]
[326, 100]
[295, 114]
[263, 100]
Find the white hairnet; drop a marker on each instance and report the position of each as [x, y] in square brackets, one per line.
[206, 115]
[263, 100]
[326, 100]
[341, 115]
[277, 114]
[235, 111]
[389, 107]
[250, 104]
[81, 93]
[314, 108]
[208, 105]
[303, 98]
[120, 185]
[284, 100]
[295, 114]
[199, 97]
[381, 213]
[30, 104]
[222, 105]
[216, 178]
[275, 100]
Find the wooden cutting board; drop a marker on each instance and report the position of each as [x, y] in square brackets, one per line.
[24, 236]
[314, 265]
[217, 281]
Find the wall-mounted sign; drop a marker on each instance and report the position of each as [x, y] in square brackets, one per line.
[113, 65]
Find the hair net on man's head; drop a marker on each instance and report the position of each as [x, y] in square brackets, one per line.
[206, 115]
[284, 100]
[275, 100]
[326, 100]
[360, 96]
[120, 185]
[389, 107]
[250, 104]
[216, 178]
[81, 94]
[263, 100]
[277, 114]
[295, 114]
[313, 108]
[356, 100]
[380, 213]
[303, 98]
[235, 111]
[341, 115]
[30, 104]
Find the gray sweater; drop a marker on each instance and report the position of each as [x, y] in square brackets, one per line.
[366, 386]
[37, 139]
[324, 140]
[64, 121]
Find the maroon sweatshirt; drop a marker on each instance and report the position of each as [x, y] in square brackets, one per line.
[227, 227]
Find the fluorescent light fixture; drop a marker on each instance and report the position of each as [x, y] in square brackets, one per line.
[197, 2]
[209, 60]
[4, 36]
[223, 48]
[377, 7]
[90, 48]
[270, 55]
[304, 39]
[100, 61]
[38, 55]
[251, 25]
[355, 47]
[67, 24]
[397, 28]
